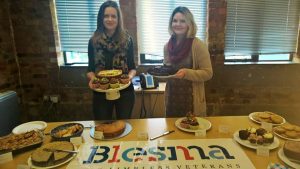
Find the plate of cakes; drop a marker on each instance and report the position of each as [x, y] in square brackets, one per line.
[290, 153]
[110, 130]
[191, 123]
[254, 137]
[50, 156]
[268, 117]
[105, 84]
[288, 131]
[162, 71]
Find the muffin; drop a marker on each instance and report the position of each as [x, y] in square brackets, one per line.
[194, 125]
[104, 83]
[261, 131]
[114, 83]
[124, 79]
[96, 82]
[244, 134]
[268, 138]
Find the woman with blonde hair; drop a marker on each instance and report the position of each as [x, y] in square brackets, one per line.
[185, 52]
[111, 47]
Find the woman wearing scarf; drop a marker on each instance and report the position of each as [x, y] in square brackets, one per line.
[111, 48]
[185, 52]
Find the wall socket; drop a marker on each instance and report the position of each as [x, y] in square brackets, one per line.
[54, 98]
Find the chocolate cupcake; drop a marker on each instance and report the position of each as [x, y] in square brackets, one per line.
[194, 125]
[104, 83]
[124, 79]
[114, 83]
[268, 138]
[244, 134]
[261, 131]
[260, 140]
[96, 82]
[252, 138]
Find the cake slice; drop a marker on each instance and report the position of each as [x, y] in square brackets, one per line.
[40, 157]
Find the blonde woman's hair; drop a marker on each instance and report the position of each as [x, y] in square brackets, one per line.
[189, 18]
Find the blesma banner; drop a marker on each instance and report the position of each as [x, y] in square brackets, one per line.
[162, 154]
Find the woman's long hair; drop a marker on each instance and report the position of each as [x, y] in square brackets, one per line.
[120, 33]
[189, 20]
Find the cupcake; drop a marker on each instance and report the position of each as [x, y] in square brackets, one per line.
[124, 79]
[244, 134]
[104, 83]
[252, 130]
[261, 131]
[260, 140]
[96, 82]
[114, 83]
[268, 138]
[194, 125]
[252, 138]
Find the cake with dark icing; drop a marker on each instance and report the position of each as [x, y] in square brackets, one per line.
[162, 70]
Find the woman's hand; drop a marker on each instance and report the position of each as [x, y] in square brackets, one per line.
[180, 74]
[91, 76]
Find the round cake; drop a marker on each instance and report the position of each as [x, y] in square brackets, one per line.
[162, 70]
[291, 150]
[111, 129]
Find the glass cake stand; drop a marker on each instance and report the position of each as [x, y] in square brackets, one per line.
[113, 94]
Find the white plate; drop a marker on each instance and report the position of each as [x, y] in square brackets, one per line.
[203, 124]
[286, 160]
[33, 125]
[29, 162]
[127, 130]
[246, 143]
[122, 86]
[286, 138]
[274, 124]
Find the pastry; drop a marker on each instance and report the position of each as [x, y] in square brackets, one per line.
[279, 130]
[291, 134]
[124, 79]
[114, 83]
[244, 134]
[104, 83]
[261, 131]
[190, 122]
[111, 129]
[287, 126]
[268, 138]
[276, 119]
[291, 150]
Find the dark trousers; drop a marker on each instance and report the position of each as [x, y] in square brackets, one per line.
[103, 109]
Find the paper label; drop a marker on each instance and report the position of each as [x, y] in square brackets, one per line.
[142, 135]
[200, 133]
[262, 151]
[98, 135]
[6, 157]
[267, 126]
[76, 140]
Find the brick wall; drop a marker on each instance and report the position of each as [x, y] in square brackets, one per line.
[28, 35]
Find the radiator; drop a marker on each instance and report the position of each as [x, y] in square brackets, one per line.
[9, 112]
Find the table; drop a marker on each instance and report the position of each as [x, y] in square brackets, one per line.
[156, 126]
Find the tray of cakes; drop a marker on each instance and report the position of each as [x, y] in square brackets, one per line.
[162, 71]
[21, 142]
[111, 80]
[191, 123]
[254, 137]
[52, 155]
[268, 117]
[290, 153]
[110, 130]
[288, 131]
